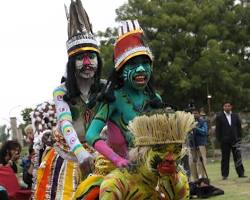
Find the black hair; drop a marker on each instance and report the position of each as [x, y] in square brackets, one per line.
[226, 102]
[191, 107]
[31, 150]
[6, 147]
[73, 90]
[63, 79]
[115, 81]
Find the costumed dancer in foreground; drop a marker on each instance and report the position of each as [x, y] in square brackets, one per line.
[67, 163]
[155, 173]
[128, 92]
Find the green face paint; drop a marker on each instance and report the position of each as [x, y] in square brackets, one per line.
[137, 72]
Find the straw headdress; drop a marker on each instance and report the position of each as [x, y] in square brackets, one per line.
[161, 128]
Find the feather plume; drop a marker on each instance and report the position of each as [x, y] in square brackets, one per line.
[72, 28]
[78, 20]
[83, 18]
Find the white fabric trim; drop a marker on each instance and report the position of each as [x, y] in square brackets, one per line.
[228, 116]
[81, 41]
[137, 25]
[130, 25]
[131, 51]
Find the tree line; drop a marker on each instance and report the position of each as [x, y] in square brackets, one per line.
[200, 48]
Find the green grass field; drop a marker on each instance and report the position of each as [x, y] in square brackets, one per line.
[235, 188]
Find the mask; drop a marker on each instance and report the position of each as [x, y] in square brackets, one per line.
[86, 64]
[137, 72]
[161, 159]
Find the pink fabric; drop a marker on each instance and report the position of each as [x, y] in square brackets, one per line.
[116, 140]
[102, 147]
[9, 181]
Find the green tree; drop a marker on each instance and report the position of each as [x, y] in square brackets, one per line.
[107, 40]
[199, 47]
[26, 115]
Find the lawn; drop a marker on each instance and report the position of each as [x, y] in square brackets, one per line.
[235, 188]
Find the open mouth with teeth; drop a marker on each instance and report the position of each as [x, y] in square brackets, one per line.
[140, 79]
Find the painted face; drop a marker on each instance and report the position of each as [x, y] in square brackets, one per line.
[161, 159]
[137, 72]
[86, 64]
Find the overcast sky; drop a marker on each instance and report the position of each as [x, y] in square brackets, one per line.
[33, 55]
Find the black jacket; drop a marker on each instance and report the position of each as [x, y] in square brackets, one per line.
[226, 133]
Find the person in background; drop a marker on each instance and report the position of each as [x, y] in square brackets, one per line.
[29, 132]
[197, 141]
[228, 134]
[28, 166]
[10, 153]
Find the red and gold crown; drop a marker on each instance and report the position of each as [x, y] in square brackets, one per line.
[130, 43]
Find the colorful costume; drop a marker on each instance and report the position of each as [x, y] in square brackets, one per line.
[128, 93]
[44, 122]
[155, 173]
[65, 165]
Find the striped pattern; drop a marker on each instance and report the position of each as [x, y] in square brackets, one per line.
[128, 26]
[65, 116]
[141, 184]
[57, 179]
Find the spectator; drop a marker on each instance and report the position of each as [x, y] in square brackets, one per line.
[29, 132]
[197, 141]
[228, 134]
[27, 164]
[10, 153]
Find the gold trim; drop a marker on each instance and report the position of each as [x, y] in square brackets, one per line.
[131, 56]
[129, 33]
[83, 49]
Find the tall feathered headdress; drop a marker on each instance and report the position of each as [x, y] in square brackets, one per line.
[161, 128]
[80, 34]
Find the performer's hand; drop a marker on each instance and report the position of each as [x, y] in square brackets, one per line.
[105, 150]
[121, 162]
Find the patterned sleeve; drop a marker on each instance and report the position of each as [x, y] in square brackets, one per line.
[64, 123]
